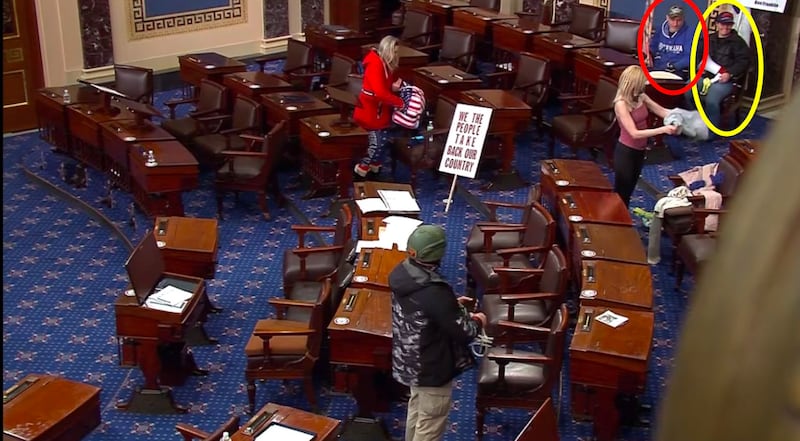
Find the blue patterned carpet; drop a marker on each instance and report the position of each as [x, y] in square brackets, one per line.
[62, 270]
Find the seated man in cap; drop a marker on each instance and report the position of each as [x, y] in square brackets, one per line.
[431, 332]
[670, 45]
[729, 59]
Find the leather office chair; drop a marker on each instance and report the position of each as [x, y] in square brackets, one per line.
[543, 425]
[621, 35]
[695, 249]
[426, 154]
[314, 263]
[512, 270]
[457, 48]
[680, 221]
[308, 290]
[253, 168]
[531, 83]
[594, 128]
[501, 234]
[135, 82]
[189, 432]
[298, 67]
[535, 308]
[586, 21]
[512, 377]
[494, 5]
[245, 119]
[210, 100]
[732, 104]
[340, 68]
[287, 347]
[416, 29]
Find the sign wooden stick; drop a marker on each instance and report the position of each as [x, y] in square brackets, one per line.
[450, 195]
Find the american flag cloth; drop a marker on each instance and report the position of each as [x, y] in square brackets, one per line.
[410, 114]
[648, 32]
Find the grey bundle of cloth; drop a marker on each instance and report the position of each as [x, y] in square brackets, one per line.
[689, 123]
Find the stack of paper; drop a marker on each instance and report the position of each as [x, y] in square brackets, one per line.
[396, 231]
[281, 432]
[611, 319]
[170, 299]
[398, 200]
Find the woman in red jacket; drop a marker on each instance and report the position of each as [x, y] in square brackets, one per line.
[377, 100]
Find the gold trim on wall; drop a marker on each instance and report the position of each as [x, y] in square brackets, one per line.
[24, 88]
[15, 22]
[141, 27]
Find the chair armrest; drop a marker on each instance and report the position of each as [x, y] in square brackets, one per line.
[301, 231]
[492, 228]
[522, 326]
[295, 69]
[273, 327]
[391, 29]
[305, 252]
[588, 45]
[285, 303]
[189, 432]
[244, 153]
[429, 48]
[572, 97]
[520, 358]
[500, 79]
[421, 34]
[521, 297]
[508, 252]
[212, 118]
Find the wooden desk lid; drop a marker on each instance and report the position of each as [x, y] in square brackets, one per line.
[189, 234]
[575, 173]
[24, 415]
[595, 206]
[621, 243]
[631, 340]
[367, 311]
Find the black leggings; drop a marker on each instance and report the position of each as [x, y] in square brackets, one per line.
[628, 165]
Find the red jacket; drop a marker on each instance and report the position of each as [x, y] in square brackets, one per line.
[376, 98]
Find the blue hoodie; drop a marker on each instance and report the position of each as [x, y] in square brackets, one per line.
[671, 49]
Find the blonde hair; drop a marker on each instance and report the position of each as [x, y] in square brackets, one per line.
[387, 50]
[631, 86]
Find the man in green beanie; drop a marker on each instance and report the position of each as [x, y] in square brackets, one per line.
[431, 333]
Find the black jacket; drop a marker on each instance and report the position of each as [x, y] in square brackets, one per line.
[430, 331]
[730, 52]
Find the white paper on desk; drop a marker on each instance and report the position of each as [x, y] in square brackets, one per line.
[170, 299]
[369, 205]
[397, 230]
[162, 306]
[276, 432]
[611, 319]
[399, 200]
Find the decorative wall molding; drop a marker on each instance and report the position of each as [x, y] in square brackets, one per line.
[141, 25]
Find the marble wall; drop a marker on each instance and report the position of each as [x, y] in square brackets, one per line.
[276, 18]
[96, 41]
[313, 12]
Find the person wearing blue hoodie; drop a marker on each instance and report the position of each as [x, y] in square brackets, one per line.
[671, 44]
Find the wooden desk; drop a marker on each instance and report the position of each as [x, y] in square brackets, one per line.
[44, 407]
[328, 42]
[442, 11]
[342, 146]
[558, 47]
[510, 115]
[744, 151]
[117, 138]
[145, 334]
[619, 243]
[207, 65]
[371, 222]
[253, 85]
[52, 112]
[443, 80]
[479, 20]
[86, 137]
[190, 245]
[616, 284]
[600, 207]
[566, 175]
[363, 344]
[325, 428]
[409, 59]
[292, 107]
[592, 63]
[373, 266]
[607, 362]
[516, 35]
[157, 189]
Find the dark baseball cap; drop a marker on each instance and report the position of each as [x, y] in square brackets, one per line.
[675, 11]
[725, 17]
